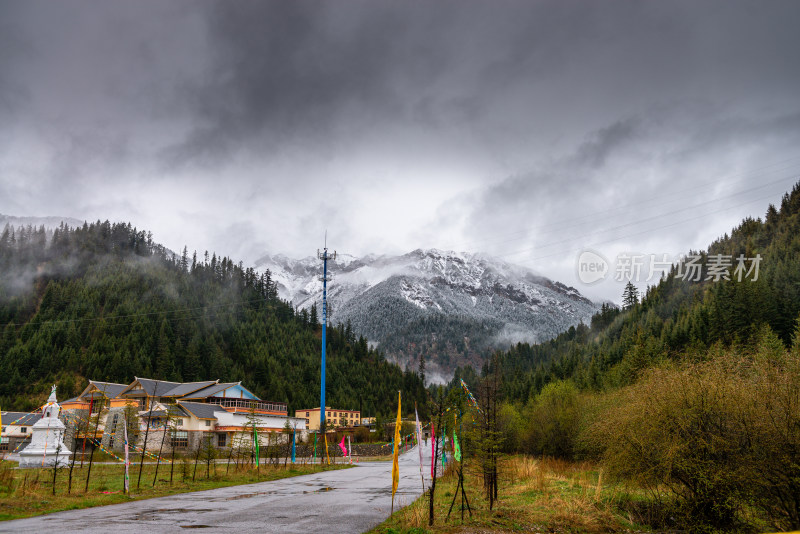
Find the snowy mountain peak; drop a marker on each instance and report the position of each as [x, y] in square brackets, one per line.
[390, 299]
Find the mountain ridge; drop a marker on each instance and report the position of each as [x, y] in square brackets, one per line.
[49, 222]
[451, 307]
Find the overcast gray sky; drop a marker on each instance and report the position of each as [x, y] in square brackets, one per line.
[527, 130]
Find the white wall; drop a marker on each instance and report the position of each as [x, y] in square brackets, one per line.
[265, 421]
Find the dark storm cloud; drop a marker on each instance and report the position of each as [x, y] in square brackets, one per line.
[283, 71]
[12, 49]
[83, 79]
[603, 143]
[240, 125]
[289, 72]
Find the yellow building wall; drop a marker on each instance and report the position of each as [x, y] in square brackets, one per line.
[335, 417]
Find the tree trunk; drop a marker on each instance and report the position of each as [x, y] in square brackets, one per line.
[196, 457]
[91, 454]
[160, 450]
[144, 445]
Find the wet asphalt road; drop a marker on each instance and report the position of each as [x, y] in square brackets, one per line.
[347, 500]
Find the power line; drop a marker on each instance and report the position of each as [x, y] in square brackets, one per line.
[681, 195]
[637, 233]
[656, 217]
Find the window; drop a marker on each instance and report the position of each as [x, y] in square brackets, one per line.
[23, 430]
[208, 423]
[4, 445]
[308, 422]
[4, 429]
[97, 405]
[178, 422]
[180, 438]
[307, 414]
[221, 439]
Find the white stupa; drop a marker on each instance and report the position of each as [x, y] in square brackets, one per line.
[47, 440]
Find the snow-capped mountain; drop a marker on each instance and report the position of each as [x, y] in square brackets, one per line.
[450, 307]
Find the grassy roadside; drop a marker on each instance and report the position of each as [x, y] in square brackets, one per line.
[29, 492]
[534, 496]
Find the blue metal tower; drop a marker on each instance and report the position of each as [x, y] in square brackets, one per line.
[324, 256]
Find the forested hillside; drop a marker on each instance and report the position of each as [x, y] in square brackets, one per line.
[104, 302]
[691, 392]
[679, 317]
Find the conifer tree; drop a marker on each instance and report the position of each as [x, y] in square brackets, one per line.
[630, 296]
[314, 318]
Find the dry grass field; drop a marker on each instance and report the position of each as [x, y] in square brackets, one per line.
[535, 495]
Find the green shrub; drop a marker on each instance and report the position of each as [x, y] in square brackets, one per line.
[712, 439]
[511, 426]
[553, 421]
[677, 430]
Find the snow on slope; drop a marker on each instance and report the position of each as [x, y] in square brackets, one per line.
[434, 301]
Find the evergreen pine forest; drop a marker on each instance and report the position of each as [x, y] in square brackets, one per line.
[104, 302]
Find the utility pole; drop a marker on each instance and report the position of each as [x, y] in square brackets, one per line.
[324, 256]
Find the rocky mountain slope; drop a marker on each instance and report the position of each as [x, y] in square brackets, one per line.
[451, 308]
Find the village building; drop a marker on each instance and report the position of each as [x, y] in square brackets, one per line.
[16, 429]
[334, 417]
[180, 416]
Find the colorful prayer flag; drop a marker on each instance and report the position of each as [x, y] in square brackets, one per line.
[255, 440]
[294, 442]
[433, 448]
[127, 461]
[395, 466]
[419, 444]
[444, 447]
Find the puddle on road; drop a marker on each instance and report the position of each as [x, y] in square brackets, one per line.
[196, 526]
[150, 514]
[260, 493]
[154, 515]
[320, 490]
[248, 495]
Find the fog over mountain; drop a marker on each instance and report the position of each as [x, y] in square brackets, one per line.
[451, 308]
[47, 222]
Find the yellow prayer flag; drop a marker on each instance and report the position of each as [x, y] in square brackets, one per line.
[395, 467]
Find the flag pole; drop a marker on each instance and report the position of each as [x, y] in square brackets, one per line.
[395, 466]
